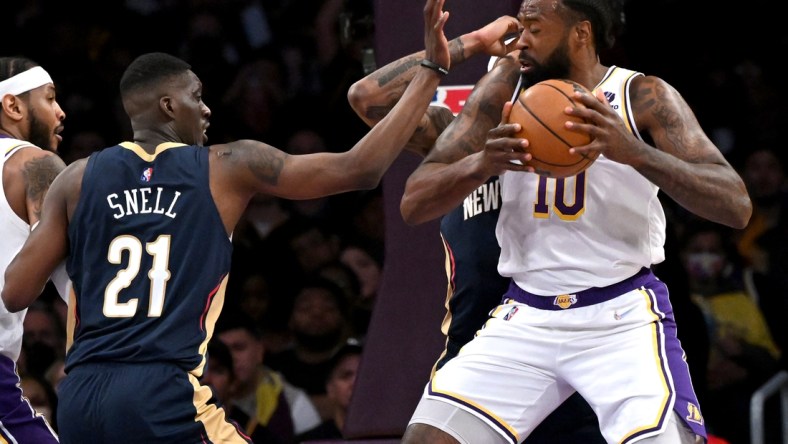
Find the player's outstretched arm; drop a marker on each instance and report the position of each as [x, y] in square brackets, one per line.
[375, 95]
[687, 166]
[457, 164]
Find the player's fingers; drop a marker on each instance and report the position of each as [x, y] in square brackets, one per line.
[506, 112]
[504, 130]
[432, 12]
[587, 128]
[442, 20]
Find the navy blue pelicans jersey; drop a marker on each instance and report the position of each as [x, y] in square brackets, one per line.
[472, 251]
[149, 258]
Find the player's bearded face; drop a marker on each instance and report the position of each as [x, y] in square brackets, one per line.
[40, 134]
[556, 66]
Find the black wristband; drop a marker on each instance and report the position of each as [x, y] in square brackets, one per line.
[434, 66]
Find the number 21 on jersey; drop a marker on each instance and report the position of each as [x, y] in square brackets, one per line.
[159, 274]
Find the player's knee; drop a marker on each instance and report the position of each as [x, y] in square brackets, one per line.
[426, 434]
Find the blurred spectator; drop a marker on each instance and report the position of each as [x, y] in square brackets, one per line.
[41, 397]
[260, 393]
[311, 243]
[339, 389]
[743, 354]
[263, 303]
[220, 377]
[252, 101]
[764, 174]
[319, 326]
[43, 341]
[369, 271]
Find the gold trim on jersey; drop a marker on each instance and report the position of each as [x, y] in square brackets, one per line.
[11, 149]
[625, 109]
[211, 316]
[146, 156]
[213, 417]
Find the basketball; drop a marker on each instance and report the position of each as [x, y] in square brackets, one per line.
[539, 109]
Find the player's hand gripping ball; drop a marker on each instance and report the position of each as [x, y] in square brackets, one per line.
[539, 110]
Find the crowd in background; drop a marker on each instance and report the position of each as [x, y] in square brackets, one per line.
[305, 274]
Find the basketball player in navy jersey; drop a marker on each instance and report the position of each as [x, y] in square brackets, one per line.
[145, 228]
[583, 311]
[30, 124]
[468, 231]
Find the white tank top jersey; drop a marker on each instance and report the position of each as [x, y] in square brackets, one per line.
[592, 230]
[15, 232]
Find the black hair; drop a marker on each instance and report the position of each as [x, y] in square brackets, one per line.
[11, 66]
[351, 347]
[235, 318]
[336, 292]
[149, 69]
[219, 351]
[606, 17]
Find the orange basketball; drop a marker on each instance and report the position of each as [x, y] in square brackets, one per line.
[539, 109]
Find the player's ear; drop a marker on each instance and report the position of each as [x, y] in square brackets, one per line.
[166, 105]
[582, 32]
[12, 106]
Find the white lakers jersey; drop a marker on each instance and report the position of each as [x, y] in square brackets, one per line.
[560, 236]
[15, 232]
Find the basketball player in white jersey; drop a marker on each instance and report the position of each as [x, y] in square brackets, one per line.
[583, 312]
[30, 123]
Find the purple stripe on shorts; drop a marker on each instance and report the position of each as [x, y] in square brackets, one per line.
[591, 296]
[686, 405]
[18, 423]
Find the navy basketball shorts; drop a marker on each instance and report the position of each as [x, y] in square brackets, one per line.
[140, 403]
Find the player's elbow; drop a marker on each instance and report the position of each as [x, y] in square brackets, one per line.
[741, 218]
[358, 98]
[16, 294]
[368, 180]
[12, 304]
[409, 211]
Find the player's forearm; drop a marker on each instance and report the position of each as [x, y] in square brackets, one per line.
[376, 94]
[434, 189]
[22, 285]
[712, 191]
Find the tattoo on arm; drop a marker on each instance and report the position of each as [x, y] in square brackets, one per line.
[38, 175]
[386, 77]
[653, 98]
[266, 164]
[457, 51]
[377, 113]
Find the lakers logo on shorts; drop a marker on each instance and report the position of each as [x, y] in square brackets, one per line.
[565, 300]
[694, 414]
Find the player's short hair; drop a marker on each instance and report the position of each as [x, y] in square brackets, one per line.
[606, 17]
[11, 66]
[150, 69]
